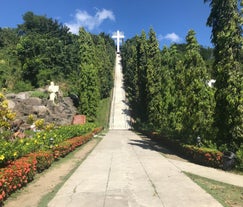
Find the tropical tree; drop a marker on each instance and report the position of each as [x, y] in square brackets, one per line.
[153, 87]
[226, 22]
[168, 89]
[142, 48]
[129, 66]
[199, 102]
[88, 85]
[104, 66]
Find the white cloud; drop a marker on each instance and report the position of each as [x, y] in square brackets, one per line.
[173, 37]
[84, 19]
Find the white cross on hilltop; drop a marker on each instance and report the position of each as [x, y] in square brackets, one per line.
[118, 36]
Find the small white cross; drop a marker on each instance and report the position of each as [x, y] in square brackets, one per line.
[118, 36]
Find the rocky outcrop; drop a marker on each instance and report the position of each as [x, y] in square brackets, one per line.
[60, 113]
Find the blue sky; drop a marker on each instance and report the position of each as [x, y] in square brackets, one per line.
[170, 19]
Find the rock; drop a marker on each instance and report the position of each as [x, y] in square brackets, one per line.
[33, 101]
[40, 110]
[22, 95]
[15, 125]
[60, 113]
[11, 104]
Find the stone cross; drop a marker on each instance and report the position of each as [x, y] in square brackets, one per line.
[118, 36]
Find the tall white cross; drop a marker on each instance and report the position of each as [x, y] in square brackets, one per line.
[118, 36]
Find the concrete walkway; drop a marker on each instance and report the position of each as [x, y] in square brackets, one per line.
[119, 117]
[123, 171]
[208, 172]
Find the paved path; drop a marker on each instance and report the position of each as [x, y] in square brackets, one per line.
[208, 172]
[123, 171]
[119, 118]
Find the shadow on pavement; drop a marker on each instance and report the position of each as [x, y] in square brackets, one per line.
[149, 144]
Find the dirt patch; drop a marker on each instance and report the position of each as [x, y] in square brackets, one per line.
[47, 181]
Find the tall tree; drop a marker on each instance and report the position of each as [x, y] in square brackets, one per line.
[129, 66]
[199, 102]
[154, 106]
[104, 66]
[226, 22]
[142, 48]
[178, 77]
[88, 85]
[167, 90]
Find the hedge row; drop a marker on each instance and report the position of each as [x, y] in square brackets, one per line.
[200, 155]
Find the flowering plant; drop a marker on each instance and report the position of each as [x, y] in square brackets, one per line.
[18, 172]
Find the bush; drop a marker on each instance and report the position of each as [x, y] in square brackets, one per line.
[6, 115]
[200, 155]
[239, 158]
[203, 156]
[43, 160]
[21, 86]
[12, 150]
[40, 94]
[17, 174]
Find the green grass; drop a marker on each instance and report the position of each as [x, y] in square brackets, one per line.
[103, 113]
[227, 195]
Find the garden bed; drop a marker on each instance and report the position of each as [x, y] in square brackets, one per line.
[17, 173]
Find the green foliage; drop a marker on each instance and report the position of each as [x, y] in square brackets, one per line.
[6, 115]
[21, 86]
[40, 141]
[168, 90]
[9, 63]
[40, 94]
[130, 70]
[239, 158]
[88, 85]
[153, 87]
[205, 156]
[42, 50]
[89, 97]
[197, 117]
[169, 93]
[226, 22]
[16, 174]
[104, 65]
[43, 160]
[103, 113]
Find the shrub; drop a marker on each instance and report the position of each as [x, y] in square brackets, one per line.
[39, 123]
[6, 115]
[203, 156]
[12, 150]
[21, 86]
[43, 160]
[40, 94]
[239, 158]
[17, 174]
[30, 119]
